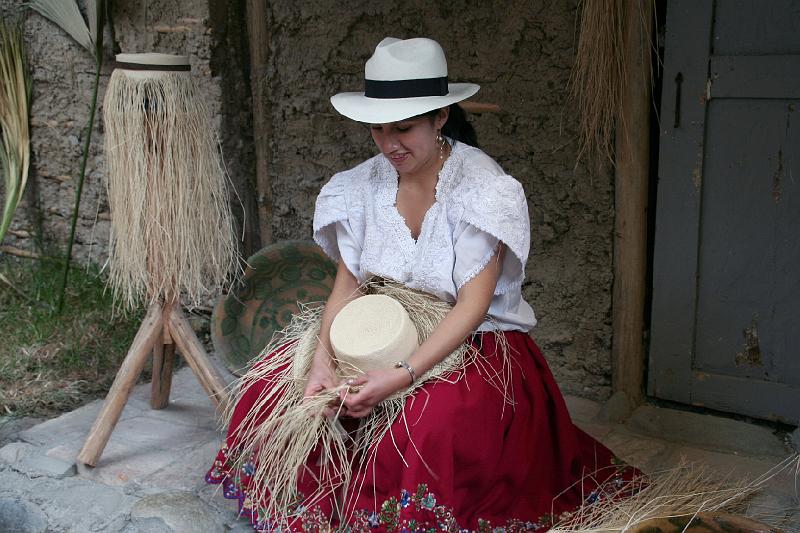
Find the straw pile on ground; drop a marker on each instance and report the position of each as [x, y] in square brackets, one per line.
[677, 499]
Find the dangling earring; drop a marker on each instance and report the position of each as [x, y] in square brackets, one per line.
[440, 141]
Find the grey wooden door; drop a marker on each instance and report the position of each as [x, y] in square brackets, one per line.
[725, 327]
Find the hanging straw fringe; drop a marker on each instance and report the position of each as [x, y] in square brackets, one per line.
[172, 231]
[598, 76]
[294, 427]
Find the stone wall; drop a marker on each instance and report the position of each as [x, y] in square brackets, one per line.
[519, 51]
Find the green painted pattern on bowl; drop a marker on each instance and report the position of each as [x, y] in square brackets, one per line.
[277, 278]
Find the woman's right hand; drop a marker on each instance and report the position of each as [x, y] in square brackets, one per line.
[321, 376]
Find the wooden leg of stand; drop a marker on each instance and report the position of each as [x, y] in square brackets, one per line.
[184, 337]
[127, 375]
[163, 363]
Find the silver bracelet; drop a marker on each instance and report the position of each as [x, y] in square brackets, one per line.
[409, 368]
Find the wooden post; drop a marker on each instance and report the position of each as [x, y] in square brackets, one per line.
[631, 186]
[149, 332]
[262, 126]
[163, 364]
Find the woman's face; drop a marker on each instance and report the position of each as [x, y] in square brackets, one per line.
[410, 145]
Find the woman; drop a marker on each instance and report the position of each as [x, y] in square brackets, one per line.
[495, 448]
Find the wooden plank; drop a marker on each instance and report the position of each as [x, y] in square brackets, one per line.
[680, 172]
[756, 27]
[755, 76]
[748, 297]
[762, 399]
[197, 358]
[149, 332]
[632, 156]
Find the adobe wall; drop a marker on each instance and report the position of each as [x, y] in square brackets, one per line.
[520, 52]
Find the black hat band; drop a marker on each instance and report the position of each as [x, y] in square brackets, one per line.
[406, 88]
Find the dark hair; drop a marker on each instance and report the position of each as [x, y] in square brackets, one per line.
[457, 126]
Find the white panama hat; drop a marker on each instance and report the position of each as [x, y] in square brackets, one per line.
[372, 332]
[402, 79]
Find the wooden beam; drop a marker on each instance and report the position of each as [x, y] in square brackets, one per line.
[262, 125]
[632, 144]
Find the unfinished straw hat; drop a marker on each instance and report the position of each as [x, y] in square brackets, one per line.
[293, 427]
[402, 79]
[172, 230]
[372, 332]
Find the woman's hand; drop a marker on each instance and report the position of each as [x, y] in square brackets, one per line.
[321, 376]
[367, 391]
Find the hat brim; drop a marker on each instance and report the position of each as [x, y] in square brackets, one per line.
[361, 108]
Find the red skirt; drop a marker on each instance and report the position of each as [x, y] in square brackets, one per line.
[461, 458]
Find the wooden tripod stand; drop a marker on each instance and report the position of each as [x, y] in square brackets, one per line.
[164, 327]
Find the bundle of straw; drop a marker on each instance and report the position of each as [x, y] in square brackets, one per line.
[598, 75]
[171, 227]
[15, 96]
[293, 427]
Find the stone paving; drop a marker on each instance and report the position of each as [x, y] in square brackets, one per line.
[150, 477]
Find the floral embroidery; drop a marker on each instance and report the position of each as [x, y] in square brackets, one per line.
[405, 498]
[410, 512]
[390, 512]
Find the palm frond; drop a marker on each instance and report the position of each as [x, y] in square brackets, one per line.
[15, 87]
[66, 15]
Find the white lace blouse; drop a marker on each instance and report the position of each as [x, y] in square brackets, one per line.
[477, 205]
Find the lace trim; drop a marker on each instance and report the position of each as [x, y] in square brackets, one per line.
[465, 192]
[478, 268]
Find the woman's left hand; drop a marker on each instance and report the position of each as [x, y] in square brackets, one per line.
[367, 391]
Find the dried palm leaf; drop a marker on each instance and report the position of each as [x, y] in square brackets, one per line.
[66, 15]
[15, 89]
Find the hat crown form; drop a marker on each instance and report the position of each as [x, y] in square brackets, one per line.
[372, 332]
[409, 59]
[152, 58]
